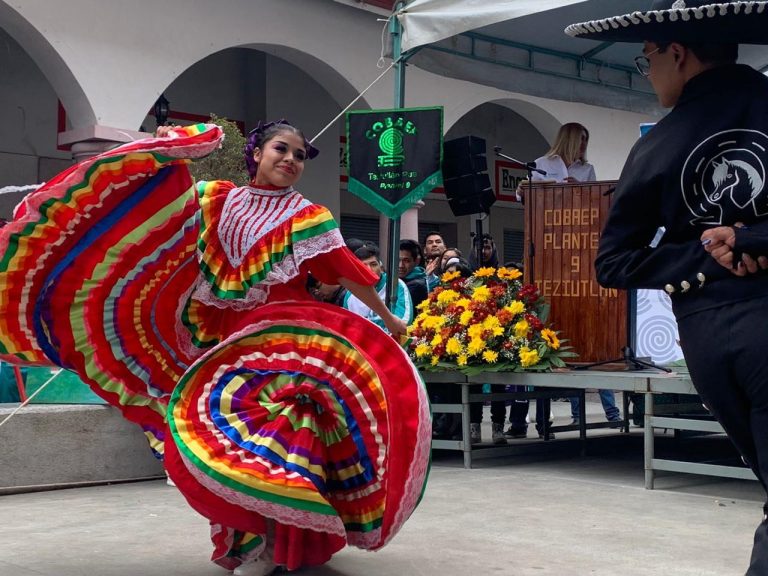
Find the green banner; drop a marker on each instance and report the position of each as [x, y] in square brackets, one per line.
[394, 156]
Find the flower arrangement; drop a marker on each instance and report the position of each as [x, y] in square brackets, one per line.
[489, 321]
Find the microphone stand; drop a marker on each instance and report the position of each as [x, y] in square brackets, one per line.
[529, 167]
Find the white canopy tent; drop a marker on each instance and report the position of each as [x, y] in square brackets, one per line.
[520, 46]
[427, 21]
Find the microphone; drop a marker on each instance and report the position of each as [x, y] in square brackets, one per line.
[531, 166]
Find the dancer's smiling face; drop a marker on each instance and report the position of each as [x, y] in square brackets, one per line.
[280, 160]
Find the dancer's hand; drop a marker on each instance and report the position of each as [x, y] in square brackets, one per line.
[397, 328]
[163, 131]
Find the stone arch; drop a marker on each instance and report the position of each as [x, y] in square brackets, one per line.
[543, 120]
[67, 87]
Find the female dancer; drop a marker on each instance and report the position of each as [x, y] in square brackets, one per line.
[293, 426]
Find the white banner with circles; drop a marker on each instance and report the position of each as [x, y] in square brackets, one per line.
[656, 333]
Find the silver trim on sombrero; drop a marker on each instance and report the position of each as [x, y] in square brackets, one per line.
[635, 18]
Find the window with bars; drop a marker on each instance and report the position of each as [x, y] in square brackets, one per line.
[363, 227]
[513, 246]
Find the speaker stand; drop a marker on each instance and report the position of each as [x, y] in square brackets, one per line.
[630, 360]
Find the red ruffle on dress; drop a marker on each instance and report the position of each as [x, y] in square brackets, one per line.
[294, 425]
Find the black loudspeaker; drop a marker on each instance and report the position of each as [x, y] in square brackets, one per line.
[462, 156]
[470, 194]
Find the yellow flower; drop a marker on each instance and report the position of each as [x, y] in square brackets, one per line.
[447, 296]
[437, 340]
[448, 276]
[463, 302]
[433, 322]
[528, 357]
[509, 273]
[521, 328]
[453, 346]
[515, 307]
[461, 360]
[550, 338]
[434, 360]
[475, 331]
[481, 293]
[492, 324]
[485, 272]
[490, 356]
[423, 350]
[475, 346]
[423, 305]
[466, 317]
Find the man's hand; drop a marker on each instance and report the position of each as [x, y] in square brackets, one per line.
[719, 242]
[431, 267]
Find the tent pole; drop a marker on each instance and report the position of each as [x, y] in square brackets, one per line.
[393, 245]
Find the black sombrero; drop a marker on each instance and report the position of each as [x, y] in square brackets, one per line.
[741, 22]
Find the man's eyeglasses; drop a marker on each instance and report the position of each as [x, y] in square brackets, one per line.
[642, 63]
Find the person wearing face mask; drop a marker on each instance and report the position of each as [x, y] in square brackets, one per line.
[699, 172]
[198, 325]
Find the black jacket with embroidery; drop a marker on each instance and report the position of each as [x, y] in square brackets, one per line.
[703, 165]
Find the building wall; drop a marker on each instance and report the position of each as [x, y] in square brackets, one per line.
[304, 60]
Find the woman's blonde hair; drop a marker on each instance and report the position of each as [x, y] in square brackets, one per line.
[568, 142]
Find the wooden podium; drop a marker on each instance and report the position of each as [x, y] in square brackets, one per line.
[562, 229]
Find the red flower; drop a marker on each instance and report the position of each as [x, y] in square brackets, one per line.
[535, 323]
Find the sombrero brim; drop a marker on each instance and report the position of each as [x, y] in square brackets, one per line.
[734, 22]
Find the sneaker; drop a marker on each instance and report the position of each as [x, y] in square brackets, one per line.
[497, 435]
[575, 422]
[516, 432]
[474, 434]
[550, 436]
[618, 423]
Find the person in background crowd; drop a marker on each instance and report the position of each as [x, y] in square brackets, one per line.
[518, 409]
[448, 254]
[608, 400]
[368, 254]
[700, 168]
[434, 246]
[490, 256]
[566, 160]
[498, 407]
[354, 243]
[458, 264]
[411, 272]
[322, 292]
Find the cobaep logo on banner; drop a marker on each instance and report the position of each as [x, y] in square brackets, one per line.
[394, 156]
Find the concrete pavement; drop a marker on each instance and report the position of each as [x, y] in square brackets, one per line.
[555, 514]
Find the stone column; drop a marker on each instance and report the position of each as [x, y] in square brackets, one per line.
[409, 228]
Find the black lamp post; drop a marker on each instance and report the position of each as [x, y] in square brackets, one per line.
[161, 110]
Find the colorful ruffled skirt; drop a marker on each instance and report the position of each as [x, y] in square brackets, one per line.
[307, 430]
